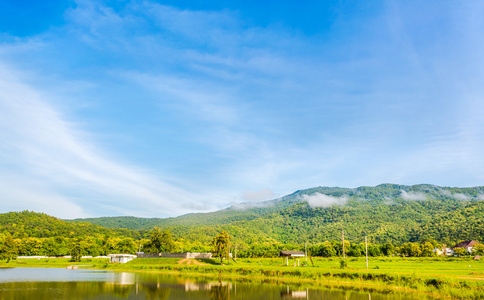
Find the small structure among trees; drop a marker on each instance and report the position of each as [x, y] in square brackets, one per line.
[467, 246]
[293, 254]
[121, 258]
[187, 255]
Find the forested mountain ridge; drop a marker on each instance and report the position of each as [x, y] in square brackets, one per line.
[239, 212]
[385, 213]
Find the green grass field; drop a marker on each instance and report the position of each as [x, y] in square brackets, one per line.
[460, 278]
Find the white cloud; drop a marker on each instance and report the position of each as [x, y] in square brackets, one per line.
[251, 199]
[322, 200]
[461, 197]
[457, 196]
[280, 109]
[69, 170]
[446, 193]
[413, 196]
[249, 205]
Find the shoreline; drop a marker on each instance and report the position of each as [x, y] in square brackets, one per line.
[370, 287]
[378, 281]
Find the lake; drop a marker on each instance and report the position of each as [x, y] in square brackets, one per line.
[51, 283]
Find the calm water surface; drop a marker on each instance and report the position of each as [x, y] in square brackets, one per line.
[48, 283]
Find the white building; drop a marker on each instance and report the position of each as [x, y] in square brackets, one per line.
[121, 258]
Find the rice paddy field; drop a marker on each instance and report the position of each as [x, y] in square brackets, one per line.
[438, 277]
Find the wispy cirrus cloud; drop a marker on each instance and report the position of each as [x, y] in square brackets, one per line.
[224, 105]
[68, 169]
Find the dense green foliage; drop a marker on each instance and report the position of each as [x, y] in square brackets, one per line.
[384, 213]
[160, 242]
[29, 233]
[387, 213]
[39, 225]
[221, 245]
[390, 215]
[8, 248]
[465, 223]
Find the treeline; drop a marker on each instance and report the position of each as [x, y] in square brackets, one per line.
[97, 245]
[335, 249]
[39, 225]
[61, 246]
[163, 241]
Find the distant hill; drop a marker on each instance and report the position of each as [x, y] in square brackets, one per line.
[385, 213]
[40, 225]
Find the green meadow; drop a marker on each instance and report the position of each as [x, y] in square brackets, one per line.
[458, 278]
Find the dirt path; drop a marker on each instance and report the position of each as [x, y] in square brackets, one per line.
[187, 261]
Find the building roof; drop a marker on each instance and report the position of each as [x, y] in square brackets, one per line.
[121, 255]
[291, 253]
[465, 244]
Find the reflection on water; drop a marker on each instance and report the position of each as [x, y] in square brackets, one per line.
[289, 294]
[40, 284]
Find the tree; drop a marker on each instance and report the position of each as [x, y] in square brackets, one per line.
[415, 250]
[459, 251]
[411, 249]
[8, 248]
[30, 246]
[373, 250]
[427, 249]
[220, 245]
[49, 247]
[478, 249]
[108, 245]
[126, 245]
[160, 242]
[357, 250]
[76, 251]
[327, 250]
[388, 249]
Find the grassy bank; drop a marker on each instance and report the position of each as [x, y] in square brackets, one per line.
[445, 277]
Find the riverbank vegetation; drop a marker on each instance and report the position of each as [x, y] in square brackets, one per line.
[459, 278]
[387, 213]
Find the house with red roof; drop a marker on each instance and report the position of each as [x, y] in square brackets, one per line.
[467, 245]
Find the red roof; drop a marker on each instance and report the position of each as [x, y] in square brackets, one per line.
[465, 244]
[291, 253]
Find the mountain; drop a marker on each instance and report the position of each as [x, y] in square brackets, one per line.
[385, 213]
[239, 212]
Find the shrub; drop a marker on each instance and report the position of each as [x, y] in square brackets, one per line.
[342, 264]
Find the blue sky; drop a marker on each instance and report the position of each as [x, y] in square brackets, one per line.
[158, 109]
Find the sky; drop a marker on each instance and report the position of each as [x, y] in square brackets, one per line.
[161, 108]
